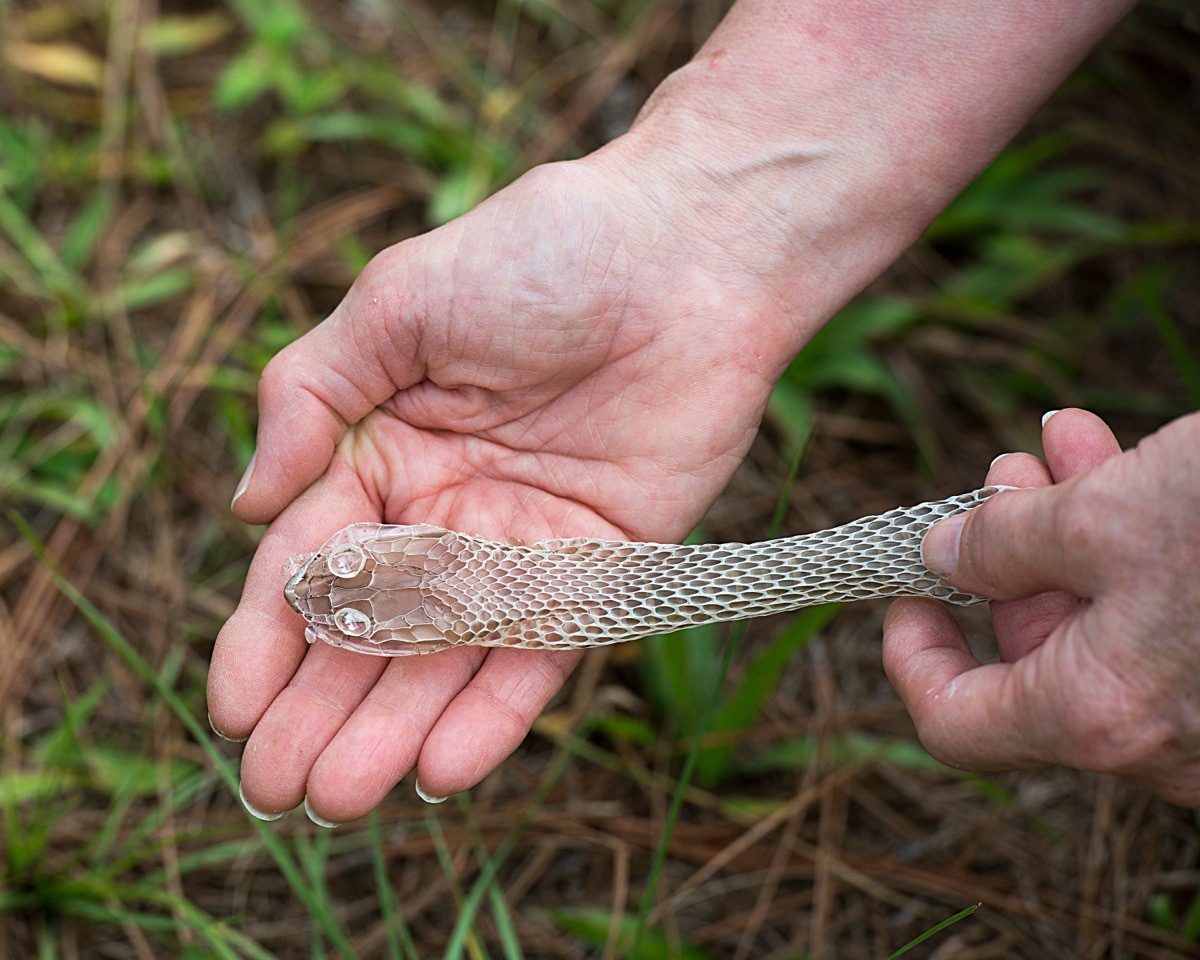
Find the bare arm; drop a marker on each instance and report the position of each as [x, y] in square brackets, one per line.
[811, 143]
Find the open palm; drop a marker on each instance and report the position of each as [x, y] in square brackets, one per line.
[548, 365]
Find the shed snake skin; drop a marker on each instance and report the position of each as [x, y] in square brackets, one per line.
[392, 590]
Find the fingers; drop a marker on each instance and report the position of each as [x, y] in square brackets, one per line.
[303, 718]
[454, 715]
[338, 730]
[340, 736]
[260, 647]
[1069, 702]
[1010, 547]
[332, 377]
[1024, 542]
[380, 742]
[1019, 544]
[348, 728]
[968, 715]
[491, 717]
[1075, 441]
[1023, 625]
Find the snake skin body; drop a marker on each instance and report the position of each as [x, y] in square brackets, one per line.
[392, 590]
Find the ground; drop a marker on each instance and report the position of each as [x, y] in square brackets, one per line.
[185, 188]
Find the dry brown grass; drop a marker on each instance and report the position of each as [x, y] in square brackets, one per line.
[126, 412]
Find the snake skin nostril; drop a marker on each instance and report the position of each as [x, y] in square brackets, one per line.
[397, 590]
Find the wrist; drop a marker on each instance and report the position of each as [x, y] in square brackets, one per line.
[808, 144]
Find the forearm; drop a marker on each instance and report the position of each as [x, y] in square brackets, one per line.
[811, 142]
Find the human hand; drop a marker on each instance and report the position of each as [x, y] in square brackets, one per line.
[532, 370]
[1097, 622]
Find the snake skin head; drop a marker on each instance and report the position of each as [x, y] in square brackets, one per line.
[357, 573]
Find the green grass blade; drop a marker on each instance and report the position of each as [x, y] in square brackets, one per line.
[961, 915]
[491, 867]
[708, 711]
[463, 936]
[58, 280]
[509, 941]
[592, 927]
[133, 780]
[761, 679]
[399, 938]
[673, 666]
[1145, 295]
[85, 231]
[313, 850]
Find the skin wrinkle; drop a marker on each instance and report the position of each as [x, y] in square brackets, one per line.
[331, 387]
[356, 380]
[528, 469]
[605, 369]
[389, 479]
[398, 352]
[405, 712]
[563, 434]
[1116, 729]
[532, 524]
[373, 773]
[508, 712]
[533, 470]
[361, 354]
[1034, 619]
[616, 280]
[321, 697]
[372, 494]
[455, 338]
[513, 703]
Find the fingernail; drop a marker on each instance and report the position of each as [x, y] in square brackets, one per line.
[997, 460]
[940, 549]
[427, 797]
[319, 821]
[245, 481]
[256, 813]
[213, 727]
[1047, 415]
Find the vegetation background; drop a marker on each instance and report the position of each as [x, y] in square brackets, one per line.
[187, 186]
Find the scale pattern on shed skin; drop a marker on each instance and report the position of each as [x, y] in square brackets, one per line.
[392, 590]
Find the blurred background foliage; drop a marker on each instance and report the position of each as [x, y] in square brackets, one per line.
[187, 187]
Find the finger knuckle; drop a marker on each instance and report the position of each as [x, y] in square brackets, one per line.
[1078, 520]
[378, 271]
[277, 378]
[390, 295]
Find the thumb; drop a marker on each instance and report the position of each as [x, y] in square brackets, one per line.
[1018, 543]
[316, 388]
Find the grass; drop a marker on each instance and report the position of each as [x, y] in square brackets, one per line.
[183, 193]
